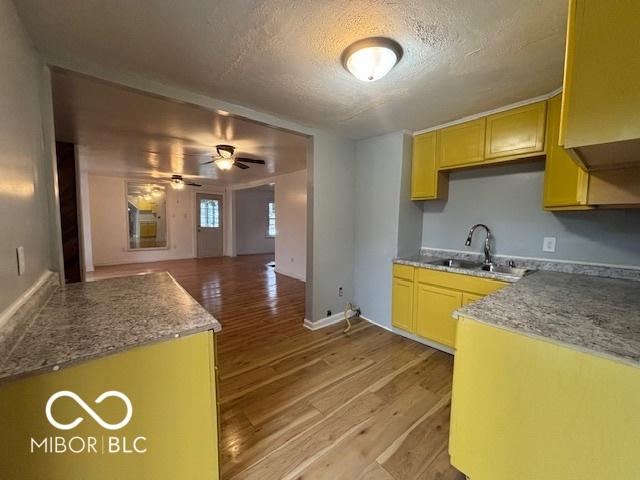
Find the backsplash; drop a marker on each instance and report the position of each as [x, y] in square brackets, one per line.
[509, 200]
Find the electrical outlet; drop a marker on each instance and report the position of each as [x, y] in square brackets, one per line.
[339, 291]
[20, 257]
[549, 244]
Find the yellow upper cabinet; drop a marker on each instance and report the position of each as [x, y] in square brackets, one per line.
[565, 183]
[426, 182]
[461, 144]
[516, 133]
[601, 102]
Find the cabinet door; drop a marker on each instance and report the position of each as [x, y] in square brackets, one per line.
[601, 95]
[433, 309]
[516, 133]
[402, 304]
[565, 183]
[426, 183]
[461, 144]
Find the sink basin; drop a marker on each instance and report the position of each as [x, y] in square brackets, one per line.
[452, 262]
[518, 272]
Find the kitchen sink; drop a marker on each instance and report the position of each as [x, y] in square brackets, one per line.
[469, 265]
[455, 263]
[515, 271]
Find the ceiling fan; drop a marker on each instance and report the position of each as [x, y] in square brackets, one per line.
[178, 182]
[226, 159]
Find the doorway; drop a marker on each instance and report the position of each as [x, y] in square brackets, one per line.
[209, 229]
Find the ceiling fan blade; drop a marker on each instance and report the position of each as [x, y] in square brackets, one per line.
[250, 160]
[240, 165]
[198, 154]
[207, 163]
[193, 184]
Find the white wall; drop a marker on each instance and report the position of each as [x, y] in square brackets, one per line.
[385, 220]
[509, 200]
[109, 223]
[291, 224]
[251, 206]
[24, 160]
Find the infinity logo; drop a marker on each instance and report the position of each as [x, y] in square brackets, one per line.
[89, 410]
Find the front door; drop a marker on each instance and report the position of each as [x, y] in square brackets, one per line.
[209, 228]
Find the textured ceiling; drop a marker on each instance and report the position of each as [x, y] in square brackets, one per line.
[119, 131]
[283, 56]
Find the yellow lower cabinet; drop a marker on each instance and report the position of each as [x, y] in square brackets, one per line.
[146, 413]
[433, 311]
[529, 409]
[402, 304]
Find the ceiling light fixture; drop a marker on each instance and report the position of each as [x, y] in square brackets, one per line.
[177, 182]
[372, 58]
[224, 163]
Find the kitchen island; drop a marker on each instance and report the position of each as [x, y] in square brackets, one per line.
[547, 380]
[111, 379]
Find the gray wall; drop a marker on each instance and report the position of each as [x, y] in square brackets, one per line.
[332, 171]
[251, 221]
[386, 221]
[24, 213]
[509, 200]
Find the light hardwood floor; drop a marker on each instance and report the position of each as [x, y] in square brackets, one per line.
[297, 404]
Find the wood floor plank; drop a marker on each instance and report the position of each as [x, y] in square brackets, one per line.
[375, 472]
[313, 404]
[243, 449]
[291, 458]
[351, 456]
[413, 452]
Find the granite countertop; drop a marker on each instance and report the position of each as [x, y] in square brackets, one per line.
[422, 261]
[596, 315]
[88, 320]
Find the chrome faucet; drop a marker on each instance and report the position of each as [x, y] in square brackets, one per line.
[487, 242]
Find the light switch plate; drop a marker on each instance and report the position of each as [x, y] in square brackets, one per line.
[20, 256]
[549, 244]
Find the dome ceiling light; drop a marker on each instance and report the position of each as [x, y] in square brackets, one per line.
[372, 58]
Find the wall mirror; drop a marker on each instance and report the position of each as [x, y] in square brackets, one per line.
[146, 216]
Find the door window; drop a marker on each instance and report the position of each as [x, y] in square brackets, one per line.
[209, 213]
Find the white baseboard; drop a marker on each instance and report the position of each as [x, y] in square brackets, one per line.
[290, 274]
[415, 338]
[327, 321]
[22, 299]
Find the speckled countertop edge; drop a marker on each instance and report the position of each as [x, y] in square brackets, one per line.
[593, 315]
[68, 314]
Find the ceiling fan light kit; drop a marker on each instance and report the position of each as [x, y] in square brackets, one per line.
[224, 163]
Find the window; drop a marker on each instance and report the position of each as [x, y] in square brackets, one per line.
[209, 213]
[271, 220]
